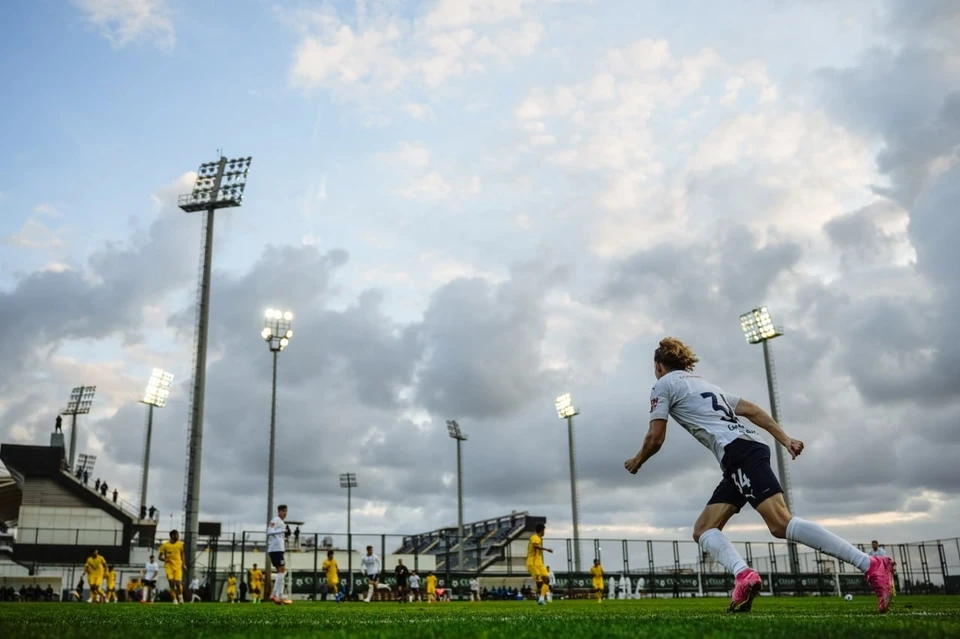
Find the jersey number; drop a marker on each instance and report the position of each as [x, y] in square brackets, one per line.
[720, 405]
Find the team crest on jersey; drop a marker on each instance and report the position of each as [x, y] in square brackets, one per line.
[653, 403]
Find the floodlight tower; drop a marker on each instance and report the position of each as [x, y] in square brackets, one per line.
[349, 481]
[155, 396]
[453, 429]
[758, 328]
[566, 410]
[277, 333]
[81, 398]
[219, 185]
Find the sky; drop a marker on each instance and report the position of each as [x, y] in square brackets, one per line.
[472, 206]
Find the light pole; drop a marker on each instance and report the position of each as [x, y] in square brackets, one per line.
[453, 428]
[81, 398]
[758, 328]
[349, 481]
[566, 410]
[277, 333]
[155, 396]
[219, 185]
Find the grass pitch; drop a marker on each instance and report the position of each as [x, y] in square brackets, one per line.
[916, 617]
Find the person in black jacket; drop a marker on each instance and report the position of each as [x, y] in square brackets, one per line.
[402, 574]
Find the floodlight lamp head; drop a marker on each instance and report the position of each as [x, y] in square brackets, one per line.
[348, 480]
[565, 408]
[757, 326]
[453, 429]
[266, 333]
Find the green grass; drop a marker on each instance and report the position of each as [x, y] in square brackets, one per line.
[914, 617]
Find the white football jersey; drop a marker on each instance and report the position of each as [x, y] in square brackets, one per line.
[414, 581]
[704, 410]
[150, 571]
[275, 535]
[879, 552]
[371, 564]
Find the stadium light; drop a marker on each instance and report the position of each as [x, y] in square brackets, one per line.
[81, 399]
[85, 463]
[566, 410]
[219, 185]
[453, 429]
[758, 328]
[349, 481]
[155, 396]
[277, 332]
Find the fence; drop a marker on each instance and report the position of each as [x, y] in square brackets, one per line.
[664, 567]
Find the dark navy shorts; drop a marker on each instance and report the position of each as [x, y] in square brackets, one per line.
[276, 558]
[747, 476]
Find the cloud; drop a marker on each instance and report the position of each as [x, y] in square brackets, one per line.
[370, 58]
[123, 22]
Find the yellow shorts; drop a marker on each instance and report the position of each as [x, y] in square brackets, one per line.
[174, 573]
[96, 580]
[598, 584]
[333, 584]
[539, 573]
[231, 592]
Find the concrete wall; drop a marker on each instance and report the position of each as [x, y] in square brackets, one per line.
[68, 525]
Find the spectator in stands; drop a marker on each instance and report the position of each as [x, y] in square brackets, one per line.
[153, 512]
[80, 474]
[86, 477]
[296, 538]
[96, 484]
[143, 512]
[114, 495]
[103, 490]
[876, 550]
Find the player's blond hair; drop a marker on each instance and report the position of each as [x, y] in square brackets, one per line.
[675, 355]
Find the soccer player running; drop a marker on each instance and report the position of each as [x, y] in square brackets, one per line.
[330, 568]
[276, 534]
[596, 572]
[371, 568]
[402, 573]
[535, 564]
[150, 571]
[111, 585]
[712, 416]
[256, 583]
[94, 569]
[171, 554]
[232, 589]
[415, 587]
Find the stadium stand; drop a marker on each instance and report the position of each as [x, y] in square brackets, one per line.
[487, 544]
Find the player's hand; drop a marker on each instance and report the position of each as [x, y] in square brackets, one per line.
[632, 465]
[549, 550]
[795, 448]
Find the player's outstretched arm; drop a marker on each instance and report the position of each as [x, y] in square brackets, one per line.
[763, 420]
[652, 443]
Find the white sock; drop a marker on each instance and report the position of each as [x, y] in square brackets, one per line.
[716, 543]
[816, 536]
[279, 584]
[370, 591]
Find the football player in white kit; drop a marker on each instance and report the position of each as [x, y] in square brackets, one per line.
[149, 573]
[276, 535]
[371, 569]
[713, 417]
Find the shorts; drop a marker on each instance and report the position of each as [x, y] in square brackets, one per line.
[747, 476]
[598, 584]
[254, 590]
[373, 577]
[401, 583]
[150, 583]
[174, 573]
[539, 573]
[95, 582]
[276, 558]
[333, 584]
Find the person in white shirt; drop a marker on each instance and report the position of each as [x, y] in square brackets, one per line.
[276, 536]
[149, 573]
[194, 587]
[371, 569]
[713, 418]
[876, 550]
[475, 589]
[414, 586]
